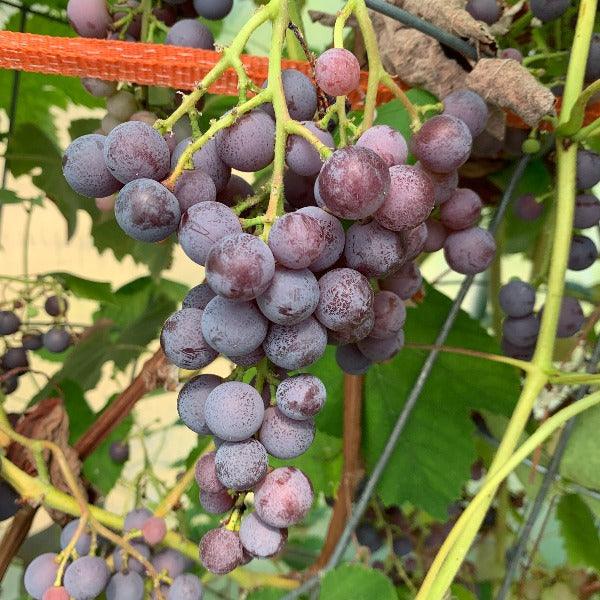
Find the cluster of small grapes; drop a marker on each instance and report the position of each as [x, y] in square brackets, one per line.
[15, 362]
[95, 567]
[490, 11]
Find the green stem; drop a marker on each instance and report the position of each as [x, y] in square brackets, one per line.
[253, 222]
[588, 131]
[545, 55]
[293, 46]
[296, 128]
[146, 9]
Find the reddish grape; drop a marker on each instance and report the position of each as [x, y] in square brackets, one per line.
[351, 335]
[89, 18]
[436, 235]
[337, 72]
[470, 251]
[296, 240]
[405, 283]
[300, 397]
[390, 314]
[386, 142]
[527, 208]
[468, 106]
[444, 184]
[414, 240]
[206, 474]
[154, 530]
[512, 54]
[56, 593]
[462, 210]
[240, 466]
[221, 551]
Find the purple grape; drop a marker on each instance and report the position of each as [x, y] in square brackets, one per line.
[414, 240]
[292, 297]
[353, 182]
[125, 586]
[249, 144]
[377, 350]
[334, 235]
[216, 504]
[386, 142]
[32, 340]
[191, 400]
[337, 72]
[352, 334]
[548, 10]
[409, 201]
[83, 543]
[436, 235]
[237, 189]
[470, 251]
[444, 184]
[233, 328]
[592, 68]
[234, 411]
[583, 253]
[519, 352]
[40, 574]
[132, 563]
[390, 315]
[517, 298]
[298, 190]
[248, 360]
[588, 169]
[466, 105]
[443, 144]
[206, 159]
[487, 11]
[99, 87]
[405, 283]
[373, 250]
[56, 306]
[283, 437]
[241, 465]
[84, 167]
[296, 240]
[89, 18]
[187, 586]
[190, 34]
[145, 116]
[9, 322]
[154, 530]
[402, 546]
[587, 211]
[301, 156]
[300, 95]
[369, 536]
[86, 577]
[213, 10]
[182, 340]
[521, 331]
[147, 211]
[206, 474]
[571, 317]
[134, 150]
[198, 297]
[204, 224]
[119, 452]
[135, 519]
[221, 551]
[171, 561]
[295, 346]
[351, 360]
[9, 385]
[194, 187]
[346, 299]
[121, 105]
[301, 397]
[462, 210]
[15, 358]
[284, 497]
[512, 54]
[57, 339]
[527, 208]
[260, 539]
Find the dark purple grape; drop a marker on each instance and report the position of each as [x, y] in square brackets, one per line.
[198, 297]
[518, 352]
[284, 497]
[206, 474]
[300, 95]
[234, 411]
[9, 501]
[294, 347]
[182, 340]
[249, 144]
[204, 224]
[512, 54]
[346, 299]
[548, 10]
[377, 350]
[351, 360]
[237, 189]
[191, 400]
[470, 251]
[521, 331]
[296, 240]
[386, 142]
[301, 397]
[462, 210]
[83, 543]
[410, 199]
[444, 184]
[527, 208]
[89, 18]
[283, 437]
[40, 574]
[125, 586]
[352, 334]
[402, 546]
[240, 466]
[353, 182]
[301, 156]
[414, 240]
[9, 322]
[8, 385]
[587, 211]
[233, 328]
[436, 235]
[334, 238]
[213, 10]
[154, 530]
[592, 67]
[298, 190]
[292, 297]
[15, 358]
[216, 504]
[99, 87]
[583, 253]
[134, 150]
[147, 211]
[571, 317]
[466, 105]
[588, 169]
[221, 551]
[194, 187]
[132, 563]
[443, 144]
[390, 315]
[487, 11]
[171, 561]
[517, 298]
[248, 360]
[260, 539]
[86, 577]
[84, 167]
[57, 339]
[368, 536]
[190, 33]
[337, 72]
[405, 283]
[56, 306]
[188, 586]
[206, 159]
[119, 452]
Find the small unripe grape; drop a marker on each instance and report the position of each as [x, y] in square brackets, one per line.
[154, 530]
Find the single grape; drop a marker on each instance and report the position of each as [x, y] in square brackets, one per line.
[89, 18]
[373, 250]
[125, 586]
[147, 211]
[194, 187]
[154, 530]
[583, 253]
[410, 199]
[470, 251]
[240, 267]
[521, 331]
[56, 306]
[436, 235]
[132, 563]
[216, 504]
[588, 169]
[9, 501]
[298, 190]
[487, 11]
[9, 322]
[300, 95]
[570, 318]
[145, 116]
[190, 33]
[301, 397]
[444, 184]
[171, 561]
[83, 543]
[353, 183]
[234, 411]
[236, 190]
[119, 452]
[334, 235]
[57, 339]
[86, 577]
[122, 105]
[56, 593]
[462, 210]
[592, 67]
[512, 54]
[296, 240]
[135, 519]
[368, 536]
[386, 142]
[204, 224]
[213, 10]
[351, 360]
[99, 87]
[405, 283]
[9, 384]
[390, 315]
[587, 211]
[182, 340]
[527, 208]
[301, 156]
[192, 398]
[84, 167]
[337, 72]
[186, 586]
[283, 437]
[402, 546]
[135, 150]
[291, 297]
[517, 298]
[249, 144]
[206, 474]
[40, 574]
[443, 144]
[548, 10]
[295, 346]
[519, 352]
[466, 105]
[414, 240]
[15, 358]
[352, 334]
[221, 551]
[260, 539]
[377, 350]
[241, 465]
[198, 297]
[284, 497]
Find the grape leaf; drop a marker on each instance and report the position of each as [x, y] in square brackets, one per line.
[357, 582]
[85, 288]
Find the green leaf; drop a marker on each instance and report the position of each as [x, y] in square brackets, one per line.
[85, 288]
[80, 127]
[9, 197]
[357, 582]
[579, 531]
[460, 592]
[80, 414]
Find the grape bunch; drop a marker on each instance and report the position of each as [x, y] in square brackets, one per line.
[94, 567]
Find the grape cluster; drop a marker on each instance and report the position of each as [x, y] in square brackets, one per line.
[94, 567]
